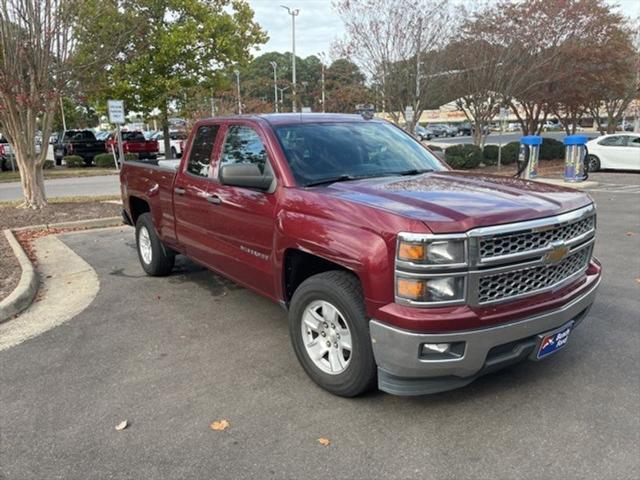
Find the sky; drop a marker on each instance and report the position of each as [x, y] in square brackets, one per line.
[318, 25]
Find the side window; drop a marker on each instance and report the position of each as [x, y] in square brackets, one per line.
[200, 156]
[243, 145]
[615, 141]
[634, 142]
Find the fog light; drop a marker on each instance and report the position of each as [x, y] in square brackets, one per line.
[436, 347]
[442, 351]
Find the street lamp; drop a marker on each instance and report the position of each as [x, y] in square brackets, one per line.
[294, 13]
[237, 72]
[322, 60]
[282, 90]
[275, 84]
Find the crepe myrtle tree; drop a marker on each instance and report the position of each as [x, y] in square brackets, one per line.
[38, 63]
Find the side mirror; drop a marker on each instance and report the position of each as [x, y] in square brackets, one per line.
[245, 175]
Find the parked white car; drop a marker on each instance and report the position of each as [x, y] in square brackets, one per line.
[618, 151]
[177, 141]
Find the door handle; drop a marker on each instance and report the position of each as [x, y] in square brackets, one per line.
[215, 199]
[179, 191]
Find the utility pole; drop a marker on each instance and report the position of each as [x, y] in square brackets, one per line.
[282, 90]
[275, 85]
[294, 13]
[238, 85]
[322, 58]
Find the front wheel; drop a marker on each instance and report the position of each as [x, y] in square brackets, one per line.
[593, 163]
[155, 258]
[330, 333]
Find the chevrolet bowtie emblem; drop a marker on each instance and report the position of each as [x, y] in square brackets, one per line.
[558, 252]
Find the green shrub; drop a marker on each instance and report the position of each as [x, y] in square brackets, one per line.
[130, 157]
[490, 153]
[73, 161]
[463, 156]
[510, 153]
[551, 149]
[48, 164]
[104, 160]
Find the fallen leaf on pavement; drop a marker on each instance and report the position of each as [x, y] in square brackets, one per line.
[122, 425]
[220, 425]
[324, 441]
[630, 234]
[638, 280]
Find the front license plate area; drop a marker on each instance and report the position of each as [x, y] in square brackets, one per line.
[553, 341]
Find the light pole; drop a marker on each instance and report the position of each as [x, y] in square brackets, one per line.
[275, 85]
[282, 90]
[322, 60]
[238, 85]
[294, 13]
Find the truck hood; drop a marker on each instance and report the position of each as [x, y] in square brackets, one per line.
[449, 202]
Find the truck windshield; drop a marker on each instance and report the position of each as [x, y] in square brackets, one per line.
[326, 152]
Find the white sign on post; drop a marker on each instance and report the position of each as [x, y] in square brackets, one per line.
[503, 113]
[116, 111]
[408, 114]
[116, 115]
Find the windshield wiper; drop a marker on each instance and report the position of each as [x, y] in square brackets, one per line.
[340, 178]
[414, 171]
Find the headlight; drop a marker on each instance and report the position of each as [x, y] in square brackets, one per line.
[441, 289]
[429, 250]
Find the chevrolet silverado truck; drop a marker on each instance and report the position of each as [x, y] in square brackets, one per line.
[395, 271]
[134, 142]
[78, 142]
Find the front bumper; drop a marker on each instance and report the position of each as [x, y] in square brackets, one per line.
[402, 371]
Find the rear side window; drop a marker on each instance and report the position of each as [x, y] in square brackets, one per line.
[132, 137]
[615, 141]
[634, 142]
[243, 145]
[200, 156]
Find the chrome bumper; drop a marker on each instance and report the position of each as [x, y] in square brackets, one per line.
[402, 370]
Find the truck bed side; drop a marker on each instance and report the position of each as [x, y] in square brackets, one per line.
[147, 187]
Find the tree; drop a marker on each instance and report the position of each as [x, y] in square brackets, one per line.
[180, 47]
[390, 40]
[345, 87]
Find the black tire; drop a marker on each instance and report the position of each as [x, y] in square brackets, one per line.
[162, 259]
[343, 290]
[58, 161]
[593, 163]
[174, 153]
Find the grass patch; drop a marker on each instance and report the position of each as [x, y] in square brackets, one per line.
[61, 173]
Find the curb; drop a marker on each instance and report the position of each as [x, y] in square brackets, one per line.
[25, 292]
[560, 182]
[91, 223]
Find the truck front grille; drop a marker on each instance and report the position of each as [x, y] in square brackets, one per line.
[523, 281]
[523, 241]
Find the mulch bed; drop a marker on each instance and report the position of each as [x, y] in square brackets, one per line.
[9, 268]
[12, 217]
[546, 168]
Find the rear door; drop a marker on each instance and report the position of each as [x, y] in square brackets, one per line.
[192, 194]
[243, 219]
[614, 150]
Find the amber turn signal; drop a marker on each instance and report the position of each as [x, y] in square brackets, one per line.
[411, 289]
[411, 251]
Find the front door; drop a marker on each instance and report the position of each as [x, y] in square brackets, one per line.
[243, 221]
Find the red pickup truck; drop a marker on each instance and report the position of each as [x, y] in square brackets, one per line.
[134, 142]
[395, 271]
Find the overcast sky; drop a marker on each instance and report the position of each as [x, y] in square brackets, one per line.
[318, 25]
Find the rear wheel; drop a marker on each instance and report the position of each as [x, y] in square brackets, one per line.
[593, 163]
[330, 333]
[155, 258]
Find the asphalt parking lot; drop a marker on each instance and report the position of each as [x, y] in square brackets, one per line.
[173, 354]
